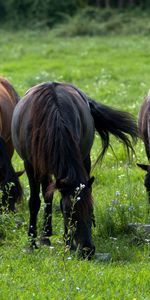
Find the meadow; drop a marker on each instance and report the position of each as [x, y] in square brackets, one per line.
[115, 71]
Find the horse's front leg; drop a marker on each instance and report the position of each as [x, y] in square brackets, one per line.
[34, 204]
[47, 224]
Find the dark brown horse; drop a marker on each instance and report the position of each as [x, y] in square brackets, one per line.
[53, 130]
[9, 182]
[144, 131]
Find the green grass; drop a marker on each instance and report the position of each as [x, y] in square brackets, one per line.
[114, 70]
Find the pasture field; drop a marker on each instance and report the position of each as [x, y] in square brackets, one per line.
[116, 71]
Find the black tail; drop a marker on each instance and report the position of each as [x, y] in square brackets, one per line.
[120, 124]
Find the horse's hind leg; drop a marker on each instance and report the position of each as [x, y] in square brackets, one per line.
[34, 203]
[47, 225]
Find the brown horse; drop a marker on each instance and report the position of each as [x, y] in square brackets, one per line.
[53, 131]
[9, 183]
[144, 131]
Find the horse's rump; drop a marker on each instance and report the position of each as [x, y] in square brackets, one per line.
[53, 129]
[7, 89]
[8, 101]
[144, 124]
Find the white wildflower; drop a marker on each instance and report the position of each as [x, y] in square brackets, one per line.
[117, 193]
[78, 198]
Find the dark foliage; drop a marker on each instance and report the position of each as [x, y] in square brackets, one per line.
[49, 12]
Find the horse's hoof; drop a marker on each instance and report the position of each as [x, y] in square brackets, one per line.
[45, 241]
[88, 253]
[31, 247]
[34, 246]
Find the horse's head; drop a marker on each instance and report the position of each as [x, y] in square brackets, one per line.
[11, 190]
[147, 178]
[77, 210]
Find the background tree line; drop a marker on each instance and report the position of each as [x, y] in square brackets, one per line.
[120, 3]
[49, 12]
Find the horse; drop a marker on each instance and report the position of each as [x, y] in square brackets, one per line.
[9, 183]
[144, 132]
[53, 130]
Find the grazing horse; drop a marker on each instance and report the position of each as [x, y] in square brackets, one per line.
[144, 131]
[9, 183]
[53, 131]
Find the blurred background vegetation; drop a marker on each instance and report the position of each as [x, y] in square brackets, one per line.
[77, 17]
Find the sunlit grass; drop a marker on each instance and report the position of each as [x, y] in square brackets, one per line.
[115, 71]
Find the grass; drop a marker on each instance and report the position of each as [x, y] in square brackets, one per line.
[115, 71]
[47, 276]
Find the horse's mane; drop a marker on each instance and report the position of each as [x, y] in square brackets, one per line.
[10, 89]
[54, 149]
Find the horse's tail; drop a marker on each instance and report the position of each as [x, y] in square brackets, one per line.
[120, 124]
[66, 154]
